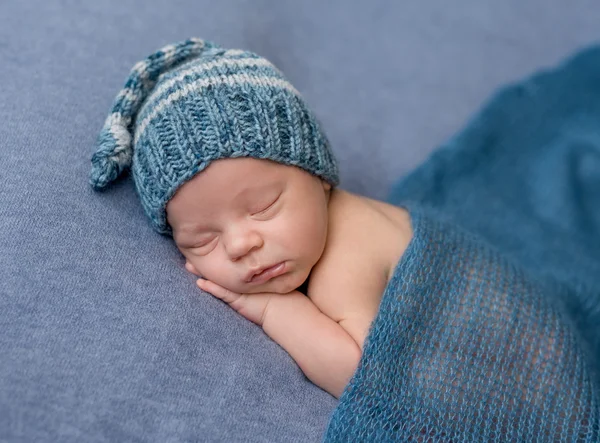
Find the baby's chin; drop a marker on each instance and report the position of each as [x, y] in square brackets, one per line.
[276, 289]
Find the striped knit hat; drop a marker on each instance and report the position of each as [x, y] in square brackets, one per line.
[191, 103]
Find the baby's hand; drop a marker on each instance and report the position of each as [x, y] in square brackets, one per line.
[251, 306]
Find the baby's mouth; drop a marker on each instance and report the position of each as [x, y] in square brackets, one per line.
[268, 274]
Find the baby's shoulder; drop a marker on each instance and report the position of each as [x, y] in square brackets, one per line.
[364, 242]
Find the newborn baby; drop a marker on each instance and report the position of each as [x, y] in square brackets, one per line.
[227, 159]
[289, 224]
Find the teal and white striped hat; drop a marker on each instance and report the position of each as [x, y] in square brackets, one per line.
[193, 102]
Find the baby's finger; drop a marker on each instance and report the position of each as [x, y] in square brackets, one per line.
[218, 291]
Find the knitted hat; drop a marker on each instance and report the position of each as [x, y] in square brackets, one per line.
[191, 103]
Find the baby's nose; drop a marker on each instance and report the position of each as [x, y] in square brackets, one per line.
[241, 243]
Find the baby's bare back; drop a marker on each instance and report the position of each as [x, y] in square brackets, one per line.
[365, 240]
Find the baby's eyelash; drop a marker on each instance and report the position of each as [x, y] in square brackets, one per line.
[206, 243]
[267, 208]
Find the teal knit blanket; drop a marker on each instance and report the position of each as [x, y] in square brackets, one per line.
[490, 327]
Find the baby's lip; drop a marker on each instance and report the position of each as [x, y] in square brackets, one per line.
[266, 273]
[252, 272]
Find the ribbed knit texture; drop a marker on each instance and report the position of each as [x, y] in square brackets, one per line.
[490, 327]
[192, 103]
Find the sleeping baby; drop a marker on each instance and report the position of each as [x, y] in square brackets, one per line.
[229, 161]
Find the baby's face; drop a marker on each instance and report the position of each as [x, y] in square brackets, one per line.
[242, 214]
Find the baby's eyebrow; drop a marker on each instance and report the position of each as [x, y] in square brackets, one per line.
[191, 231]
[187, 234]
[257, 190]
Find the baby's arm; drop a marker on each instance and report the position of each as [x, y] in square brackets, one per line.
[325, 352]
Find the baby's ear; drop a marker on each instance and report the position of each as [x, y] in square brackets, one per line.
[191, 268]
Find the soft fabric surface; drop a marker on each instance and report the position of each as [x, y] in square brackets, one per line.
[490, 326]
[105, 337]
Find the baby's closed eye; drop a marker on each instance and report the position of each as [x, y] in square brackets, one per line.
[203, 246]
[268, 209]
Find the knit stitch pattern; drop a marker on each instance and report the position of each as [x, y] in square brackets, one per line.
[489, 329]
[467, 347]
[192, 103]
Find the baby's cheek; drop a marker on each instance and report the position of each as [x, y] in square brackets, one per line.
[199, 265]
[220, 272]
[206, 269]
[289, 232]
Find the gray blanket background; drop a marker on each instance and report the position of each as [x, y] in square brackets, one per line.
[104, 336]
